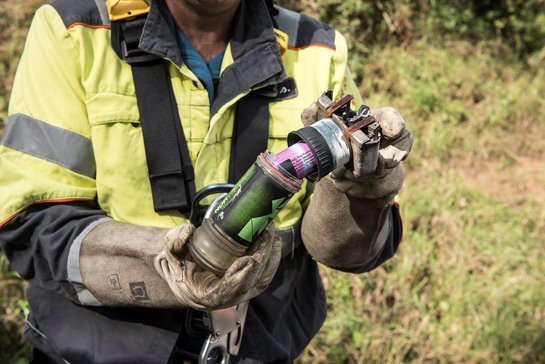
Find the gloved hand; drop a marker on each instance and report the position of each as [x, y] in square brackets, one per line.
[128, 265]
[346, 224]
[395, 145]
[196, 287]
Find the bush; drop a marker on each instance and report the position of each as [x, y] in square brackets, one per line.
[517, 23]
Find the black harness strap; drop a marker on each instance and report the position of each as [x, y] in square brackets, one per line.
[250, 134]
[169, 164]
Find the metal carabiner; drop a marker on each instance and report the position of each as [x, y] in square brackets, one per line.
[226, 327]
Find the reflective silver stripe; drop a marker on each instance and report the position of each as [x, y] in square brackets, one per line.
[288, 22]
[42, 140]
[72, 266]
[101, 5]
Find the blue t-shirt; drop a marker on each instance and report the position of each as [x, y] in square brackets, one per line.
[208, 73]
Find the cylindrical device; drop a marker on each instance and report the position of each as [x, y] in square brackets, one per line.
[239, 218]
[243, 214]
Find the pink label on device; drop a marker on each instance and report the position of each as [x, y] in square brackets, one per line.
[300, 157]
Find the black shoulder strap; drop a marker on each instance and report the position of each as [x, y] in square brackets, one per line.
[169, 164]
[250, 134]
[251, 128]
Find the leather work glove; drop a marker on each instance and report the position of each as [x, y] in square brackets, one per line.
[346, 224]
[196, 287]
[128, 265]
[395, 145]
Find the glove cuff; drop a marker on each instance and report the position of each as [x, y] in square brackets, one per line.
[117, 266]
[344, 232]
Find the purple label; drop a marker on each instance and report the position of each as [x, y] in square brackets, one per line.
[299, 156]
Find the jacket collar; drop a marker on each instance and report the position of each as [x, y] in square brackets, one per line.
[159, 34]
[257, 60]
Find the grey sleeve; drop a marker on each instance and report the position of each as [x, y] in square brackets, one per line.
[42, 245]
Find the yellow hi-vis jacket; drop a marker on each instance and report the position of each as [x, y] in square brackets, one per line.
[73, 152]
[73, 131]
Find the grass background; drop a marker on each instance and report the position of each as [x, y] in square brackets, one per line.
[467, 285]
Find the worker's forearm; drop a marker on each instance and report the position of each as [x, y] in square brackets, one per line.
[117, 265]
[343, 232]
[38, 242]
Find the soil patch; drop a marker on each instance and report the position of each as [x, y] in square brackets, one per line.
[521, 181]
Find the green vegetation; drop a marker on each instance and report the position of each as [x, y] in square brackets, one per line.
[467, 284]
